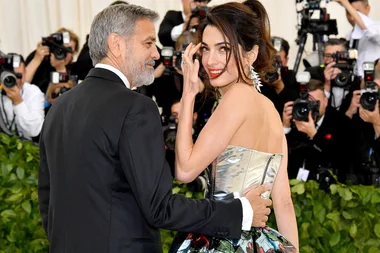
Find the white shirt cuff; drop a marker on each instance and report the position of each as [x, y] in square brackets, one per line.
[247, 214]
[287, 130]
[176, 32]
[327, 93]
[20, 109]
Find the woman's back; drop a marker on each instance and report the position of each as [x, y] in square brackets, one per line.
[262, 128]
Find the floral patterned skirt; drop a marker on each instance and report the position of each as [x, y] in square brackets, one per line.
[258, 240]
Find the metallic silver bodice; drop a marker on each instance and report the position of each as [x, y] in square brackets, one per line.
[238, 168]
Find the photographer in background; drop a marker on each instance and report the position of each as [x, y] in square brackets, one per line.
[365, 36]
[319, 137]
[176, 22]
[338, 84]
[22, 103]
[170, 133]
[367, 123]
[281, 85]
[41, 62]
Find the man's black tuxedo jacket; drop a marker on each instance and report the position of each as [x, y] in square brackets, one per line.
[332, 146]
[104, 183]
[171, 19]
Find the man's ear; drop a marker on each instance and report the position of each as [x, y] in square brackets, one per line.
[114, 44]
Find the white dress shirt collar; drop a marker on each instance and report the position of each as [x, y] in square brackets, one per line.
[319, 123]
[116, 71]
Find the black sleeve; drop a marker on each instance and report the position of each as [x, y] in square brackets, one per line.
[142, 156]
[166, 26]
[43, 185]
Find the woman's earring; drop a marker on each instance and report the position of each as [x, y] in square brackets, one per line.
[255, 78]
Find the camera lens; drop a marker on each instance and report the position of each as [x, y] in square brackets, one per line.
[341, 80]
[8, 79]
[368, 101]
[301, 111]
[59, 54]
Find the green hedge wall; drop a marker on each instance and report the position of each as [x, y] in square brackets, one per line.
[344, 221]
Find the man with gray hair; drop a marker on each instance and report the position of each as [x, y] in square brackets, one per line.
[104, 184]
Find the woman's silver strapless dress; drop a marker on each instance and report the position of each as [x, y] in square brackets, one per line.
[235, 170]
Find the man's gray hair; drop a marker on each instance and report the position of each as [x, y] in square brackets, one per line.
[120, 19]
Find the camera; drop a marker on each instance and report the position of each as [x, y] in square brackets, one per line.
[303, 105]
[370, 94]
[59, 77]
[56, 42]
[345, 61]
[8, 63]
[167, 56]
[200, 12]
[62, 90]
[170, 133]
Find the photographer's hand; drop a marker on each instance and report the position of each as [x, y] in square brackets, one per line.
[31, 68]
[330, 73]
[307, 127]
[287, 114]
[355, 104]
[278, 84]
[352, 11]
[41, 52]
[13, 94]
[371, 117]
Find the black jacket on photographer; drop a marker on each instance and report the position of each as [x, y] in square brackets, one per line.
[331, 147]
[289, 92]
[317, 72]
[367, 158]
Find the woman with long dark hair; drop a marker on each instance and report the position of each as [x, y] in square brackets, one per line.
[243, 138]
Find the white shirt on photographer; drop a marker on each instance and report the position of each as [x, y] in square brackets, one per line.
[28, 116]
[369, 42]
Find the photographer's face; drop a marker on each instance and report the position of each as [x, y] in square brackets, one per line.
[330, 50]
[284, 58]
[320, 96]
[20, 70]
[140, 53]
[359, 6]
[197, 3]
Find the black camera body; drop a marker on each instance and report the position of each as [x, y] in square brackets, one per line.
[170, 133]
[345, 61]
[56, 42]
[304, 105]
[371, 94]
[8, 63]
[271, 77]
[200, 12]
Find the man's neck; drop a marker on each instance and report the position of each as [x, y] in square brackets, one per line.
[115, 64]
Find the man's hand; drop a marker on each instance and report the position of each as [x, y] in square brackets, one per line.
[278, 84]
[330, 73]
[259, 205]
[287, 114]
[13, 94]
[307, 127]
[355, 104]
[370, 117]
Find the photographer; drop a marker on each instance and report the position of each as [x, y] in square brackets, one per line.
[366, 33]
[320, 139]
[338, 84]
[22, 103]
[170, 132]
[41, 62]
[176, 22]
[281, 85]
[367, 124]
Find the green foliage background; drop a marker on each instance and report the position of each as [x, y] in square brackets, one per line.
[344, 221]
